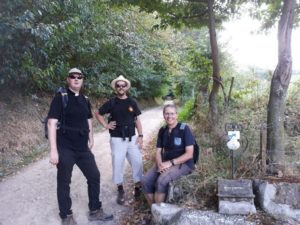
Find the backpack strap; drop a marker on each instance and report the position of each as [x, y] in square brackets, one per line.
[164, 128]
[64, 96]
[182, 126]
[113, 102]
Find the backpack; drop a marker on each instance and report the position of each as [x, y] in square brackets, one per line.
[196, 153]
[64, 96]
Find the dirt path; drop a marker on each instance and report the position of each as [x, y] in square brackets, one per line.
[29, 197]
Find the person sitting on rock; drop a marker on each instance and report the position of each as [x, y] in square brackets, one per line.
[174, 157]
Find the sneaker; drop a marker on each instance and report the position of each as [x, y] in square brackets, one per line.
[121, 197]
[69, 220]
[100, 215]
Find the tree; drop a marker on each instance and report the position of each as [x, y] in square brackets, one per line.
[42, 39]
[194, 13]
[279, 86]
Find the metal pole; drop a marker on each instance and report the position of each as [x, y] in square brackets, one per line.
[232, 165]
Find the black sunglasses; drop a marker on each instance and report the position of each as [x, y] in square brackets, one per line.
[75, 77]
[121, 86]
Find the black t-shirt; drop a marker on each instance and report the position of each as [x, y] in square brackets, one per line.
[75, 134]
[124, 112]
[173, 144]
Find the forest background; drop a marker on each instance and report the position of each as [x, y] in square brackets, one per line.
[165, 48]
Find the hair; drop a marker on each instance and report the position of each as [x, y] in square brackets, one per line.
[173, 106]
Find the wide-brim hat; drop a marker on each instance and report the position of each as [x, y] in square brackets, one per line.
[75, 70]
[120, 78]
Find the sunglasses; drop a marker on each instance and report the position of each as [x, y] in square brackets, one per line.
[75, 77]
[121, 86]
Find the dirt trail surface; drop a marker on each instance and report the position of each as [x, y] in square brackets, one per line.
[29, 197]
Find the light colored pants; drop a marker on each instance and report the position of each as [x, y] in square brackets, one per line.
[121, 149]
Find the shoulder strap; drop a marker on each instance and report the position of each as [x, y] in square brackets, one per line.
[164, 128]
[64, 95]
[182, 126]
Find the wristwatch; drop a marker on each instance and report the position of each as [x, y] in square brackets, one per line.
[172, 161]
[140, 135]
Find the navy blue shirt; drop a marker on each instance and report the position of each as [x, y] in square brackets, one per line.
[173, 144]
[76, 134]
[124, 112]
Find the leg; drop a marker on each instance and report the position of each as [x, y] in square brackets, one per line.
[134, 157]
[64, 174]
[159, 197]
[164, 179]
[118, 152]
[86, 163]
[148, 184]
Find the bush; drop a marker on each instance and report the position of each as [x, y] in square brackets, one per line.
[186, 111]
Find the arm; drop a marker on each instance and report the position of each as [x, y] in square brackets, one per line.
[139, 128]
[111, 125]
[52, 124]
[91, 134]
[164, 166]
[189, 150]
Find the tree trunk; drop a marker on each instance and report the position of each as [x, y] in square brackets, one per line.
[213, 106]
[279, 86]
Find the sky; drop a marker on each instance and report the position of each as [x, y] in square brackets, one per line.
[250, 49]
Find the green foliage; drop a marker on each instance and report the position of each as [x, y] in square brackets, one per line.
[42, 41]
[269, 12]
[186, 112]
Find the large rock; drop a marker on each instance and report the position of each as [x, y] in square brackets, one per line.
[163, 212]
[167, 214]
[281, 200]
[236, 197]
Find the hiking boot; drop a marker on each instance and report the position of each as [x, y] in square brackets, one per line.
[137, 191]
[99, 215]
[121, 197]
[69, 220]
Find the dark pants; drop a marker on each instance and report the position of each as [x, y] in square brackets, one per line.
[154, 182]
[86, 163]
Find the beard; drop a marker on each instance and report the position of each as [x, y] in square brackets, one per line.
[122, 94]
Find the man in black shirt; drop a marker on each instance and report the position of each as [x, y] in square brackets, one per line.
[71, 140]
[174, 157]
[124, 118]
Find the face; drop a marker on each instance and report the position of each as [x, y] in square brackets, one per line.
[170, 116]
[121, 87]
[75, 81]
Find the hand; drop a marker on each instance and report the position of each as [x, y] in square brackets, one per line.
[164, 166]
[90, 145]
[139, 142]
[54, 157]
[111, 125]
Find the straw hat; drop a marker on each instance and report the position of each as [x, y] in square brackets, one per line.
[120, 78]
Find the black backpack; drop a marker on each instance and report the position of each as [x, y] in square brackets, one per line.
[64, 96]
[196, 154]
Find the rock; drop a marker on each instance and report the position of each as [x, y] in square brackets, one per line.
[281, 200]
[168, 214]
[197, 217]
[163, 212]
[236, 197]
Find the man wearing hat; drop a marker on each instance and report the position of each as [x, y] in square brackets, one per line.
[123, 119]
[70, 135]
